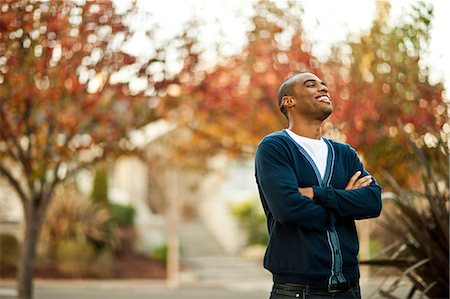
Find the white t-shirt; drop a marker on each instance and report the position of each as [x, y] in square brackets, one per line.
[316, 149]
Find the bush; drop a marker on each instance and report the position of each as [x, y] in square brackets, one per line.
[103, 265]
[9, 251]
[251, 217]
[123, 214]
[160, 253]
[78, 237]
[80, 259]
[100, 186]
[419, 221]
[74, 258]
[71, 216]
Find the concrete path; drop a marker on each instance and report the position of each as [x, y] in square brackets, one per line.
[224, 270]
[140, 289]
[205, 263]
[197, 241]
[133, 289]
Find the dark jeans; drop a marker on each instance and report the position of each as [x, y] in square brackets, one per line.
[283, 291]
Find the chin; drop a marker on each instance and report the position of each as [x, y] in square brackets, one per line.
[326, 112]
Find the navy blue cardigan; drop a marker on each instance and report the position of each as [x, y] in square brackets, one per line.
[312, 241]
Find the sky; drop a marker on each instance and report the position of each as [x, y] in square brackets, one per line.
[325, 22]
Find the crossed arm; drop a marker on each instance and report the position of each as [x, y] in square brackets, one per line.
[360, 199]
[353, 183]
[315, 207]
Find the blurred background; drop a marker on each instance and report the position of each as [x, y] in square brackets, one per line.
[128, 132]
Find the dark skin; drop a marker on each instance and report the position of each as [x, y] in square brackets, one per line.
[308, 105]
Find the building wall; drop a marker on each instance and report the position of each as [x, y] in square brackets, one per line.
[210, 194]
[11, 212]
[129, 185]
[232, 181]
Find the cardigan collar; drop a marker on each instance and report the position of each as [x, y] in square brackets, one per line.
[325, 181]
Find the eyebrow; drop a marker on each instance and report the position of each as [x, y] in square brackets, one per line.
[314, 80]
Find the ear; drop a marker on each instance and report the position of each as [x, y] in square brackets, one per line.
[288, 102]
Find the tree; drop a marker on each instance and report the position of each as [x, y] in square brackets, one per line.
[380, 81]
[70, 91]
[231, 106]
[100, 185]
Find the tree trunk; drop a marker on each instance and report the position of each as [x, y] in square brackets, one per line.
[173, 242]
[27, 261]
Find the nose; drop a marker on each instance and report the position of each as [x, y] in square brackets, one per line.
[323, 87]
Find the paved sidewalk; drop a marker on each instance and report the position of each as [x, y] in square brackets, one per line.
[135, 289]
[150, 289]
[164, 293]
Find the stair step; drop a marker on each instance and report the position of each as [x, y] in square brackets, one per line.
[196, 241]
[204, 260]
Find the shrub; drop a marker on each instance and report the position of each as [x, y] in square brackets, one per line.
[103, 265]
[123, 214]
[160, 253]
[100, 185]
[73, 257]
[420, 223]
[71, 216]
[251, 217]
[78, 237]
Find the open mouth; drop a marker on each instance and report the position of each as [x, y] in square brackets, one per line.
[323, 98]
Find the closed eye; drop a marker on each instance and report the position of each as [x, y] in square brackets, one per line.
[313, 83]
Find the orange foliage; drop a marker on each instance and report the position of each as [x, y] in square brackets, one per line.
[235, 104]
[57, 95]
[384, 90]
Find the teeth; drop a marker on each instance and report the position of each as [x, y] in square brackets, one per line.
[324, 99]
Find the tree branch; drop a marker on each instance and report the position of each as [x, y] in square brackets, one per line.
[11, 137]
[15, 183]
[84, 165]
[51, 127]
[28, 132]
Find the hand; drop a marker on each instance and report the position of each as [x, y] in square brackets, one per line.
[355, 183]
[308, 192]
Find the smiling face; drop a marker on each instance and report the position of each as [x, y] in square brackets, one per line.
[307, 96]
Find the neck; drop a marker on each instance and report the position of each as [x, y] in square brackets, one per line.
[309, 129]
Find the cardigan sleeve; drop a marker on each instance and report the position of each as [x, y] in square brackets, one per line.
[361, 203]
[278, 187]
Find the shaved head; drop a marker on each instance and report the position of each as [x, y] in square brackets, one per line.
[286, 89]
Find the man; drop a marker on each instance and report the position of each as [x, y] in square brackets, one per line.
[312, 189]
